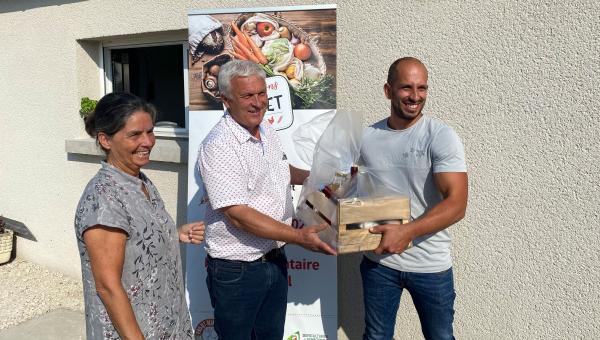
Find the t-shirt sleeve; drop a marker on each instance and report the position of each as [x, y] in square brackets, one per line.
[223, 175]
[448, 153]
[102, 208]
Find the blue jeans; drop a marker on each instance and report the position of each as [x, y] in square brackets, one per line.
[432, 293]
[249, 298]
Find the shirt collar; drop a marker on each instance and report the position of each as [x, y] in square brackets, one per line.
[240, 133]
[116, 172]
[388, 128]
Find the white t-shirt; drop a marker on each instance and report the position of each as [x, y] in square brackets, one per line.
[237, 169]
[403, 162]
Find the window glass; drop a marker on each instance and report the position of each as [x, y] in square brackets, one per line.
[154, 73]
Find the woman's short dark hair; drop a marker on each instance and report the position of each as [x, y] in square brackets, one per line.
[112, 112]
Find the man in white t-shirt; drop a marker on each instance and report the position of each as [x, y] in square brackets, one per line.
[420, 157]
[248, 220]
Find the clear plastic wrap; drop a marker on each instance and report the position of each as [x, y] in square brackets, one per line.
[336, 152]
[307, 135]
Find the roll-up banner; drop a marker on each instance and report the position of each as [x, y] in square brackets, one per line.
[299, 45]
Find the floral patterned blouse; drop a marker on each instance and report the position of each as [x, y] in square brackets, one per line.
[152, 274]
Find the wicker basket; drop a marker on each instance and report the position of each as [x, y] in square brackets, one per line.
[6, 246]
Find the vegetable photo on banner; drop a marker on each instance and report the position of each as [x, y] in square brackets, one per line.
[282, 48]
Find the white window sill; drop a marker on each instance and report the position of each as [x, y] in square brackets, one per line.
[165, 150]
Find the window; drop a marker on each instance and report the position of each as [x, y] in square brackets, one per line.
[157, 73]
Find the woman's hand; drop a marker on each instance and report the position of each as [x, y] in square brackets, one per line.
[192, 232]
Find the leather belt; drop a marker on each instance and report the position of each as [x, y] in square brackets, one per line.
[272, 255]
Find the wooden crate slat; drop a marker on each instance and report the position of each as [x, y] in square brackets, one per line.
[374, 209]
[323, 204]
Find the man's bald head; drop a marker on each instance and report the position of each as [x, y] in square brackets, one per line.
[393, 70]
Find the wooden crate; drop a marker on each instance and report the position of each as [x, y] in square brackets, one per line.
[348, 214]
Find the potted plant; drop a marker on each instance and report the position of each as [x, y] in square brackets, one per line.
[6, 242]
[87, 106]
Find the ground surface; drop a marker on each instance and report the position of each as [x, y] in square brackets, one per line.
[28, 291]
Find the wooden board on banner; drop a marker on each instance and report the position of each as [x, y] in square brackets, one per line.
[350, 213]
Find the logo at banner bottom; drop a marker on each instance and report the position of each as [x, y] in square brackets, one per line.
[304, 336]
[205, 330]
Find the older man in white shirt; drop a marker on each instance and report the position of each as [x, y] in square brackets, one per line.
[247, 179]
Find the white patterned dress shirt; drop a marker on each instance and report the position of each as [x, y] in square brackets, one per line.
[239, 169]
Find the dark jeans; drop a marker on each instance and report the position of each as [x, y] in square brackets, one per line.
[249, 298]
[432, 293]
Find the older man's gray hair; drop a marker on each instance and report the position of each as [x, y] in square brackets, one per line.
[237, 68]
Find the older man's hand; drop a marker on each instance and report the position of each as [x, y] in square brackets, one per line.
[311, 241]
[192, 232]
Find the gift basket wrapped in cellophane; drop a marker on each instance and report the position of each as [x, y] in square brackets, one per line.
[343, 194]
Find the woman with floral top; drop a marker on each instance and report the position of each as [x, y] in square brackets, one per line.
[128, 243]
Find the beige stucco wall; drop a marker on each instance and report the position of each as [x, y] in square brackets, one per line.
[518, 80]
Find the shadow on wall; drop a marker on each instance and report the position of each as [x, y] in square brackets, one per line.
[24, 5]
[19, 228]
[94, 159]
[350, 298]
